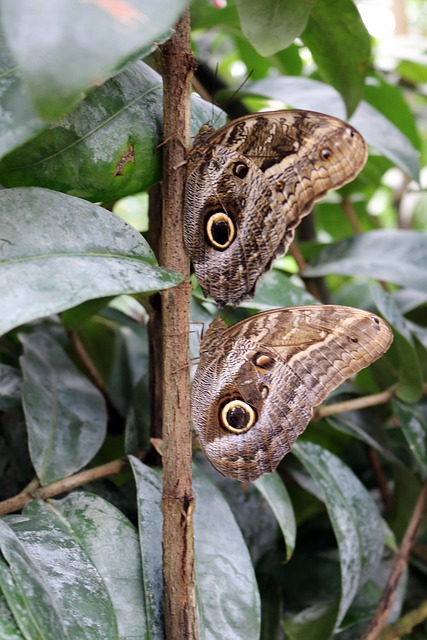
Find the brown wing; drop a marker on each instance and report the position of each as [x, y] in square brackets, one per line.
[263, 173]
[281, 364]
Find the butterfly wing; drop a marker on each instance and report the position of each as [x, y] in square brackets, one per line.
[257, 382]
[250, 183]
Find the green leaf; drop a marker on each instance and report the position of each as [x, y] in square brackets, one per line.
[106, 148]
[65, 414]
[9, 630]
[413, 422]
[65, 48]
[340, 45]
[397, 256]
[277, 290]
[10, 387]
[410, 386]
[61, 587]
[229, 604]
[354, 518]
[58, 251]
[112, 544]
[378, 131]
[23, 585]
[282, 21]
[19, 121]
[150, 523]
[274, 491]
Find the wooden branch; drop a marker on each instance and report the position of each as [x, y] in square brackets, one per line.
[32, 492]
[351, 405]
[177, 65]
[386, 604]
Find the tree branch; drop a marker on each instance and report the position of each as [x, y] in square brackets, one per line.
[385, 606]
[177, 64]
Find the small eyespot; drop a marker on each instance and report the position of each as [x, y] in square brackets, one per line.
[220, 230]
[264, 391]
[240, 170]
[237, 416]
[325, 154]
[375, 319]
[350, 133]
[263, 361]
[279, 186]
[355, 340]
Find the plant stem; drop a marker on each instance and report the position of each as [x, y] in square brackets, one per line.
[177, 64]
[386, 603]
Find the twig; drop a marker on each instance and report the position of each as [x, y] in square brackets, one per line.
[177, 64]
[406, 624]
[350, 213]
[355, 403]
[19, 501]
[385, 606]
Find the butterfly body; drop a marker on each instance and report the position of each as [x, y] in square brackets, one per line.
[258, 381]
[248, 186]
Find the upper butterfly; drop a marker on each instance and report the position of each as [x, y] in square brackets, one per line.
[250, 183]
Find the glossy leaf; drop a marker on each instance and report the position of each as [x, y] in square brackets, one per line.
[9, 630]
[410, 386]
[396, 256]
[277, 290]
[106, 148]
[62, 588]
[19, 121]
[229, 605]
[340, 47]
[112, 544]
[354, 518]
[283, 21]
[23, 585]
[58, 251]
[150, 522]
[10, 387]
[65, 48]
[65, 414]
[274, 491]
[413, 422]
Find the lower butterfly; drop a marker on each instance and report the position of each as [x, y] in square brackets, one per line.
[258, 381]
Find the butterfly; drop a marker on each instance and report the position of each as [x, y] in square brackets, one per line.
[248, 186]
[258, 381]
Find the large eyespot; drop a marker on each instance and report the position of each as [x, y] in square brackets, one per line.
[240, 170]
[237, 416]
[220, 230]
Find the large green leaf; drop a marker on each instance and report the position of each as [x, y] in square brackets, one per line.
[410, 386]
[282, 21]
[413, 422]
[378, 131]
[150, 522]
[61, 592]
[65, 414]
[9, 630]
[107, 147]
[58, 251]
[340, 45]
[10, 387]
[354, 518]
[112, 544]
[64, 48]
[397, 256]
[19, 120]
[274, 491]
[229, 604]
